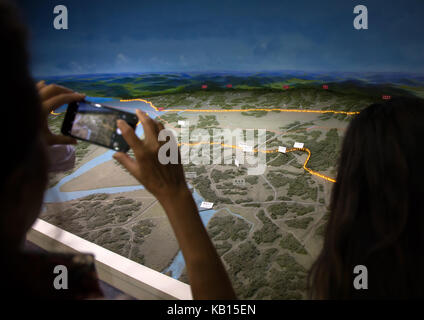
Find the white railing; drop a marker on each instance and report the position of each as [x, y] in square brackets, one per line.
[124, 274]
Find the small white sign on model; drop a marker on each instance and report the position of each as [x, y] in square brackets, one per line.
[239, 182]
[247, 148]
[191, 175]
[298, 145]
[206, 205]
[282, 149]
[181, 123]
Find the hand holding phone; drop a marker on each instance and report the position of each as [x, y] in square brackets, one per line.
[52, 97]
[165, 181]
[96, 123]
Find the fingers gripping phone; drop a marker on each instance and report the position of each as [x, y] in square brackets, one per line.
[96, 123]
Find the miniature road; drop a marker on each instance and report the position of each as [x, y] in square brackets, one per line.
[272, 187]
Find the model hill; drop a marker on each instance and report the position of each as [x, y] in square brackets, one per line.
[127, 86]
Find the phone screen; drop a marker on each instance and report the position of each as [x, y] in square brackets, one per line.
[96, 123]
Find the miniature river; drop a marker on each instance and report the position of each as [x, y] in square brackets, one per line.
[54, 194]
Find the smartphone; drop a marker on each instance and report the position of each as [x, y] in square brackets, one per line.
[96, 123]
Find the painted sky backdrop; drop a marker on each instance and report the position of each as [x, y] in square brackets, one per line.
[174, 36]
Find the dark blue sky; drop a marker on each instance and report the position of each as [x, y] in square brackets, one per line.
[160, 36]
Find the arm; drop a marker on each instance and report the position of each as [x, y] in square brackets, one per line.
[208, 278]
[167, 183]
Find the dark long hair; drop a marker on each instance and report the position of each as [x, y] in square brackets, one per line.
[376, 211]
[23, 156]
[20, 105]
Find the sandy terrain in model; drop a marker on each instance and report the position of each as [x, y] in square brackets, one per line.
[105, 175]
[158, 257]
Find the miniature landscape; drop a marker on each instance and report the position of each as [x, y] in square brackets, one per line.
[267, 228]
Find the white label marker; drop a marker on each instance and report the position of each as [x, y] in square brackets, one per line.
[282, 149]
[247, 148]
[206, 205]
[298, 145]
[191, 175]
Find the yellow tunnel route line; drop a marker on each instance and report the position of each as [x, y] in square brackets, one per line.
[268, 151]
[244, 110]
[312, 172]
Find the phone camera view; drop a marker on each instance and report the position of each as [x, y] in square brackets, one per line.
[95, 123]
